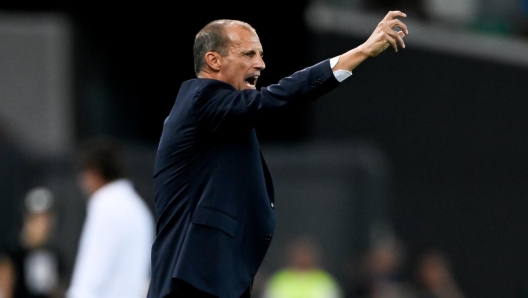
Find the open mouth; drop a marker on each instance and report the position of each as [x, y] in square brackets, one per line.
[251, 81]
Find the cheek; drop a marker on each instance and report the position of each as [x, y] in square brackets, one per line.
[242, 66]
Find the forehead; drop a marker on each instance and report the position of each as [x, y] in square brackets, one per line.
[243, 38]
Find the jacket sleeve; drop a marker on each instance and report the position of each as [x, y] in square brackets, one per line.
[220, 106]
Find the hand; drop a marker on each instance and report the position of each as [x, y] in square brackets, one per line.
[384, 35]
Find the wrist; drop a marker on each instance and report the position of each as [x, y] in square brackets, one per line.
[365, 51]
[351, 59]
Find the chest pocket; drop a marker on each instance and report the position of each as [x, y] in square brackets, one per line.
[215, 219]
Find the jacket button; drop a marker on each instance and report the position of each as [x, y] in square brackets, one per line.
[272, 205]
[267, 237]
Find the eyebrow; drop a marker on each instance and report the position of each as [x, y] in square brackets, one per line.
[252, 51]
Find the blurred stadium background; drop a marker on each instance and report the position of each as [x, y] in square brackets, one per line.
[428, 145]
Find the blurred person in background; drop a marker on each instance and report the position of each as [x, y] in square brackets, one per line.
[304, 276]
[7, 277]
[33, 266]
[434, 276]
[380, 274]
[113, 258]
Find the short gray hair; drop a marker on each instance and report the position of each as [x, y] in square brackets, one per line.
[213, 38]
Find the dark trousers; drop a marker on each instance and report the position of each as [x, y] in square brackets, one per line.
[181, 289]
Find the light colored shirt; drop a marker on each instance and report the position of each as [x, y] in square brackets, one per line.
[339, 74]
[113, 260]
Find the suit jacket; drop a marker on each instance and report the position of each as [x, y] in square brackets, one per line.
[213, 192]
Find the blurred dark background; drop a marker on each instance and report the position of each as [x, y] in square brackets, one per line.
[427, 145]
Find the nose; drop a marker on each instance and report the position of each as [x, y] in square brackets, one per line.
[260, 63]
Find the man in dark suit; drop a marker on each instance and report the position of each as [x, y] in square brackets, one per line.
[213, 192]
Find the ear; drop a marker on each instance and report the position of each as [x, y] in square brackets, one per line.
[213, 60]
